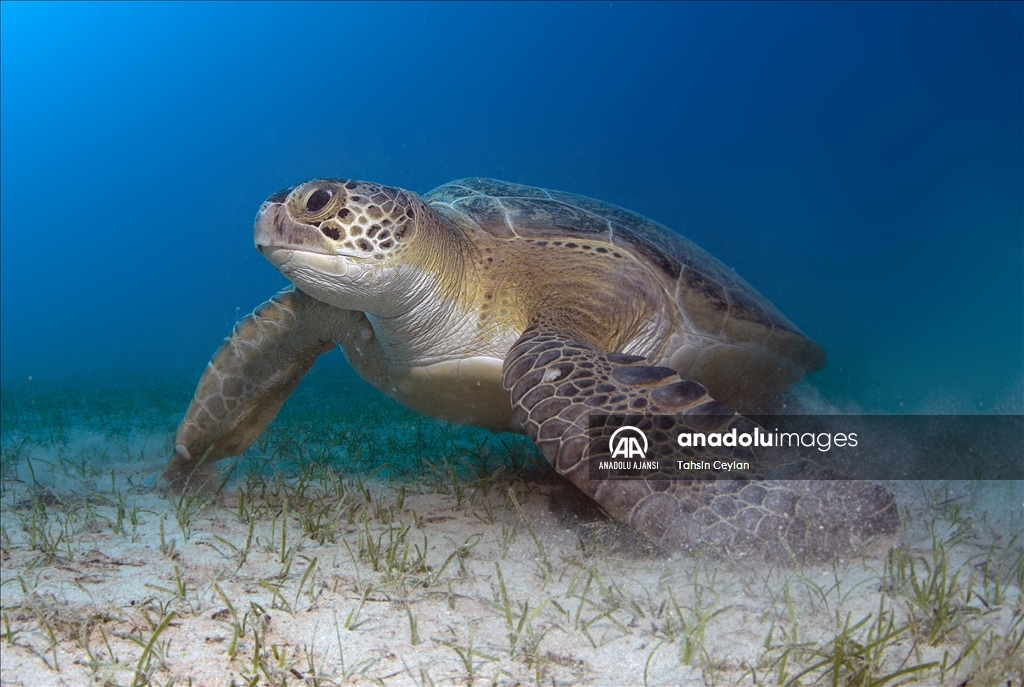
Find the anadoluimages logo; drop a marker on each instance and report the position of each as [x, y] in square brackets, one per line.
[626, 443]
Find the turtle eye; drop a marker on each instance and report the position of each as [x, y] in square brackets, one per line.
[318, 200]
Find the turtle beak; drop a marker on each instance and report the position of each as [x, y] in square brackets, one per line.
[277, 235]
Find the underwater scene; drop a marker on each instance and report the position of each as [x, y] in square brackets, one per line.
[582, 261]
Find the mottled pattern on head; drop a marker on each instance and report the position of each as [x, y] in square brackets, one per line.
[357, 217]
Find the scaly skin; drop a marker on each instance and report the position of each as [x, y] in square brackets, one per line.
[555, 380]
[255, 370]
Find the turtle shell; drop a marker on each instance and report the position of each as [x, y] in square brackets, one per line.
[713, 298]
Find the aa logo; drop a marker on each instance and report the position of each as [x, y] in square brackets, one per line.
[629, 443]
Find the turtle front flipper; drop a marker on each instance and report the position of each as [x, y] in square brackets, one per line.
[786, 508]
[253, 373]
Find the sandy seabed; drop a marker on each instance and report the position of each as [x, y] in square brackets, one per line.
[312, 564]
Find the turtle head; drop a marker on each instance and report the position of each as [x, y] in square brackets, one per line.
[355, 245]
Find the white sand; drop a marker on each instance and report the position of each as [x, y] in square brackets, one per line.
[84, 591]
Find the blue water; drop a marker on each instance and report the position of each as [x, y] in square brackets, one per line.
[860, 164]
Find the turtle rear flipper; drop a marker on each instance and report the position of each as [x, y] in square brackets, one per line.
[556, 380]
[255, 370]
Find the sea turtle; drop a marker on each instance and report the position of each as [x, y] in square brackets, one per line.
[521, 309]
